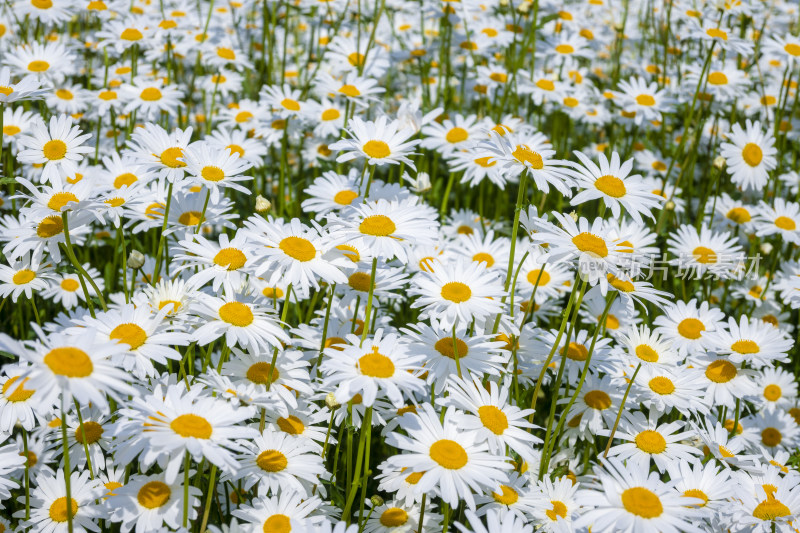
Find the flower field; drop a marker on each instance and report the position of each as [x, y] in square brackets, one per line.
[402, 266]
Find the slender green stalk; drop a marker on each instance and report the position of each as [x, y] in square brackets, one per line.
[621, 409]
[67, 468]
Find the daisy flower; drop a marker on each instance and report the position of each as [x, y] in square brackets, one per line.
[332, 192]
[224, 263]
[286, 511]
[750, 155]
[28, 88]
[453, 460]
[147, 503]
[451, 135]
[614, 183]
[707, 251]
[709, 483]
[21, 404]
[215, 169]
[777, 389]
[662, 389]
[24, 276]
[49, 505]
[561, 511]
[242, 321]
[752, 341]
[380, 142]
[766, 505]
[782, 218]
[642, 101]
[687, 325]
[724, 381]
[58, 147]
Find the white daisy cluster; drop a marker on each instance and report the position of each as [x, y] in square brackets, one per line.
[393, 267]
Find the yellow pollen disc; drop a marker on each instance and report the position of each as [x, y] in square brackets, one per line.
[236, 314]
[699, 494]
[345, 197]
[538, 274]
[770, 509]
[38, 66]
[291, 425]
[58, 509]
[376, 365]
[465, 230]
[565, 49]
[69, 362]
[414, 477]
[598, 400]
[60, 199]
[740, 215]
[725, 452]
[646, 353]
[277, 523]
[243, 116]
[291, 105]
[575, 351]
[590, 244]
[298, 248]
[20, 393]
[721, 371]
[661, 385]
[154, 494]
[356, 59]
[131, 34]
[445, 347]
[772, 393]
[230, 258]
[190, 218]
[11, 129]
[771, 437]
[376, 149]
[23, 276]
[642, 502]
[457, 135]
[125, 180]
[377, 225]
[650, 441]
[752, 154]
[169, 157]
[350, 90]
[645, 100]
[212, 173]
[336, 343]
[546, 85]
[571, 102]
[718, 78]
[349, 252]
[786, 223]
[130, 334]
[483, 258]
[559, 509]
[499, 77]
[42, 4]
[226, 53]
[768, 100]
[64, 94]
[704, 255]
[330, 114]
[393, 517]
[55, 150]
[745, 347]
[89, 433]
[527, 157]
[691, 328]
[612, 322]
[621, 285]
[360, 281]
[69, 285]
[259, 373]
[5, 89]
[32, 460]
[456, 292]
[192, 426]
[485, 162]
[717, 33]
[507, 496]
[150, 94]
[168, 25]
[236, 149]
[490, 32]
[611, 186]
[493, 419]
[449, 454]
[174, 306]
[271, 461]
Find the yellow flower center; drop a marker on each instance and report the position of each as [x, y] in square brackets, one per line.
[483, 257]
[565, 49]
[356, 59]
[393, 517]
[125, 180]
[691, 328]
[190, 218]
[456, 292]
[154, 494]
[360, 281]
[277, 523]
[226, 53]
[69, 285]
[376, 365]
[718, 78]
[745, 347]
[55, 149]
[212, 173]
[23, 276]
[770, 509]
[772, 392]
[642, 502]
[169, 157]
[445, 347]
[575, 351]
[243, 116]
[721, 371]
[130, 334]
[271, 461]
[192, 426]
[298, 248]
[131, 34]
[230, 258]
[449, 454]
[559, 509]
[70, 362]
[291, 105]
[38, 66]
[752, 154]
[11, 129]
[507, 496]
[236, 149]
[771, 437]
[377, 225]
[538, 274]
[89, 433]
[704, 255]
[236, 314]
[499, 77]
[330, 114]
[457, 135]
[650, 441]
[150, 94]
[590, 244]
[661, 385]
[259, 373]
[645, 100]
[20, 393]
[485, 162]
[786, 223]
[377, 149]
[350, 90]
[646, 353]
[42, 4]
[717, 33]
[611, 186]
[493, 419]
[345, 197]
[597, 399]
[291, 425]
[699, 494]
[58, 509]
[528, 157]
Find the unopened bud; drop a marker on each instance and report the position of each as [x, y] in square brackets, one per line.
[136, 260]
[669, 206]
[330, 401]
[376, 500]
[766, 248]
[573, 215]
[719, 162]
[262, 204]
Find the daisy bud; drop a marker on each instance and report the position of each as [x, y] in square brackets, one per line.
[766, 248]
[136, 259]
[719, 162]
[574, 215]
[669, 206]
[330, 401]
[262, 204]
[376, 500]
